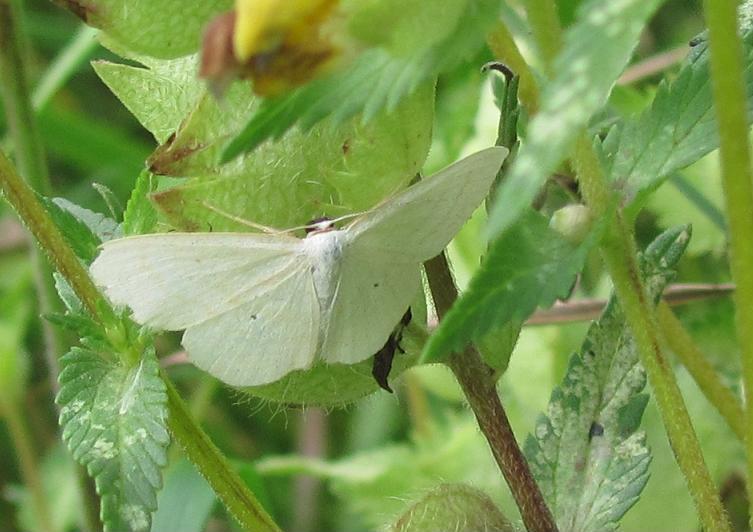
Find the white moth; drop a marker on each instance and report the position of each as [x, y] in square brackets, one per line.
[257, 306]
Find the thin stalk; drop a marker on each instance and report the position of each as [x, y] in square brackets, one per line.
[30, 155]
[27, 461]
[33, 215]
[214, 467]
[207, 458]
[728, 85]
[66, 63]
[704, 374]
[479, 386]
[619, 252]
[505, 50]
[545, 26]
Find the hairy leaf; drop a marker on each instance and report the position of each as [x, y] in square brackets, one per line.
[586, 455]
[113, 418]
[158, 28]
[677, 130]
[78, 225]
[328, 171]
[530, 265]
[455, 507]
[595, 52]
[159, 95]
[378, 78]
[140, 216]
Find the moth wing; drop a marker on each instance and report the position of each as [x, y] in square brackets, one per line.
[173, 281]
[418, 223]
[263, 339]
[372, 295]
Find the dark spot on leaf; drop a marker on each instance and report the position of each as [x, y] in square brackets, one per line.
[595, 430]
[346, 146]
[253, 317]
[376, 285]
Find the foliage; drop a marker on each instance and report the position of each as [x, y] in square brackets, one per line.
[401, 94]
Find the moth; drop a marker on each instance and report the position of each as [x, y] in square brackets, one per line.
[257, 306]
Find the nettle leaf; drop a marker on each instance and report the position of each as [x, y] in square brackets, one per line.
[114, 422]
[595, 52]
[585, 453]
[530, 265]
[157, 28]
[678, 129]
[379, 78]
[140, 216]
[83, 229]
[160, 95]
[454, 507]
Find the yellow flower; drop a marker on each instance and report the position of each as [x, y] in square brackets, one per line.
[284, 43]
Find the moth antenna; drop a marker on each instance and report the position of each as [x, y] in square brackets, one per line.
[243, 221]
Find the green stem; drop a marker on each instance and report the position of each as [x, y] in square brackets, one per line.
[66, 63]
[719, 395]
[29, 152]
[620, 256]
[214, 467]
[728, 85]
[545, 26]
[479, 386]
[505, 50]
[27, 461]
[199, 448]
[36, 219]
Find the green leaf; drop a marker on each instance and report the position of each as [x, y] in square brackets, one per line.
[678, 129]
[530, 265]
[595, 52]
[328, 171]
[113, 418]
[377, 79]
[454, 507]
[158, 28]
[586, 455]
[77, 233]
[140, 216]
[160, 95]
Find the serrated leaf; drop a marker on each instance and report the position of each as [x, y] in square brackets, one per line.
[530, 265]
[79, 236]
[102, 227]
[376, 80]
[455, 507]
[159, 95]
[113, 418]
[596, 50]
[157, 28]
[586, 455]
[676, 130]
[140, 216]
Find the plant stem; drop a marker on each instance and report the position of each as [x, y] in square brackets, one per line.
[479, 386]
[233, 493]
[545, 26]
[36, 219]
[27, 462]
[31, 158]
[214, 467]
[728, 85]
[719, 395]
[620, 256]
[66, 63]
[505, 50]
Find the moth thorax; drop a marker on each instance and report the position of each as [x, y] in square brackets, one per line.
[324, 250]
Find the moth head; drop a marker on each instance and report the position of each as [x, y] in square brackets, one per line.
[319, 225]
